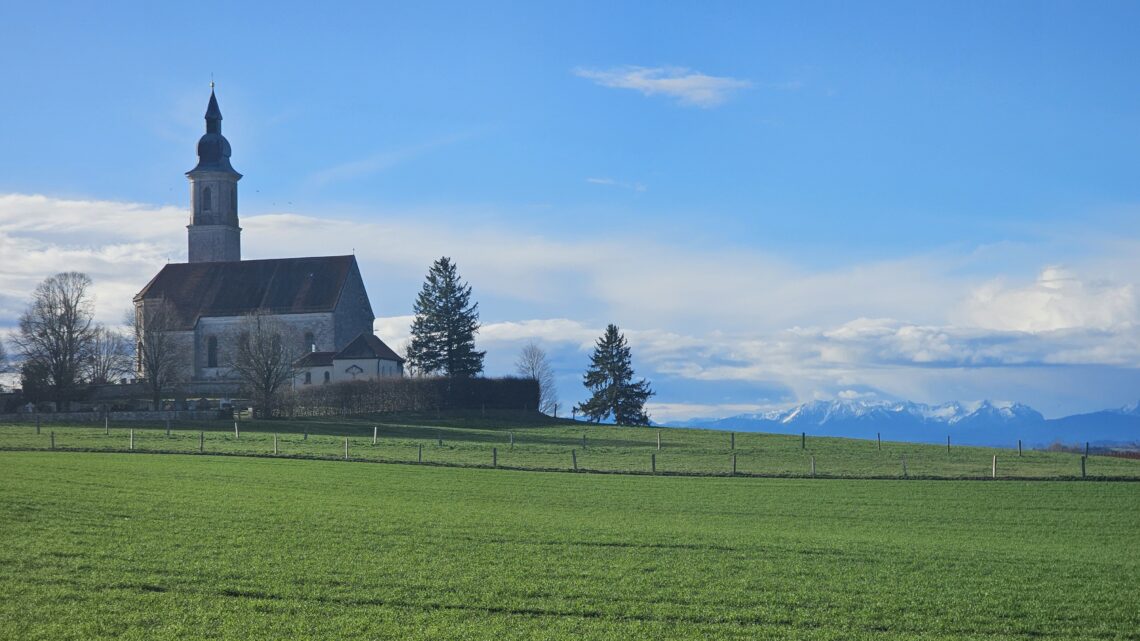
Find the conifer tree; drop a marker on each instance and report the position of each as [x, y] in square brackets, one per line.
[610, 381]
[443, 332]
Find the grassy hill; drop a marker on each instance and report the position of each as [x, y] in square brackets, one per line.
[188, 547]
[541, 443]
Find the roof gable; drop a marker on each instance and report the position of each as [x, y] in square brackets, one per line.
[368, 345]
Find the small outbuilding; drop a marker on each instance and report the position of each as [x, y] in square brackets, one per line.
[365, 358]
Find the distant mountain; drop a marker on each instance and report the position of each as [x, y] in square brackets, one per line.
[975, 423]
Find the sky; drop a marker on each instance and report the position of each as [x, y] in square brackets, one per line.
[776, 202]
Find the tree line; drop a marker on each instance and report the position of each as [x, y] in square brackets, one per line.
[63, 350]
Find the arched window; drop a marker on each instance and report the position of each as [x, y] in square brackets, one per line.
[310, 342]
[205, 199]
[308, 378]
[326, 377]
[212, 351]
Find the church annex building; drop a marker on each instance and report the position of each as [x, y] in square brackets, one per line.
[321, 300]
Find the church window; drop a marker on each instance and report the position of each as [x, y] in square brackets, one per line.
[326, 377]
[138, 357]
[308, 378]
[212, 351]
[310, 342]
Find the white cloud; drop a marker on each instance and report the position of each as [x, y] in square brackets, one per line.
[610, 182]
[1058, 299]
[688, 87]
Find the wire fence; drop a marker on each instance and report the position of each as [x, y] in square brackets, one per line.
[602, 450]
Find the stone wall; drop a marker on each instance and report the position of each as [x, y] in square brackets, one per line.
[353, 315]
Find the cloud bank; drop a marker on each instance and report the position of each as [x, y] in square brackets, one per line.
[716, 331]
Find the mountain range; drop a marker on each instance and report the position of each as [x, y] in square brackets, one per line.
[969, 423]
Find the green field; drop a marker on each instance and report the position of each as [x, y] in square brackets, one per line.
[176, 547]
[545, 444]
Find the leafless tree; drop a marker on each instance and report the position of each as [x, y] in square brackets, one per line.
[56, 332]
[263, 357]
[162, 357]
[533, 364]
[110, 356]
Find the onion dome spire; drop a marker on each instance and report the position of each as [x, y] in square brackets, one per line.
[213, 148]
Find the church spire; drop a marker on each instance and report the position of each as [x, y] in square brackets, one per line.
[213, 148]
[213, 114]
[214, 234]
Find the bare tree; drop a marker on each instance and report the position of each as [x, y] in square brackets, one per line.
[533, 364]
[263, 357]
[56, 332]
[161, 357]
[110, 356]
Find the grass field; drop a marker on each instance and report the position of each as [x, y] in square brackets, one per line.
[545, 444]
[176, 547]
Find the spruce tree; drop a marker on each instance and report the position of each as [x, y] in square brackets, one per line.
[443, 332]
[610, 381]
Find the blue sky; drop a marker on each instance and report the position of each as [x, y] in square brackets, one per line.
[779, 202]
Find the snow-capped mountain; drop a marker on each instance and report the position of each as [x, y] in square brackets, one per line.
[977, 423]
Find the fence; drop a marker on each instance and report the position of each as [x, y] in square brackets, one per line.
[530, 451]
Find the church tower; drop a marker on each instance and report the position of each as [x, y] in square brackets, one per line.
[213, 229]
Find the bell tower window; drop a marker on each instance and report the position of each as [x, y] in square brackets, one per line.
[206, 199]
[212, 351]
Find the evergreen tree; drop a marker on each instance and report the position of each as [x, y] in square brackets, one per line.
[443, 332]
[610, 381]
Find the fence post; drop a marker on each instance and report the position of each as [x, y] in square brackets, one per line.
[583, 441]
[574, 459]
[947, 443]
[375, 430]
[803, 440]
[1086, 449]
[53, 440]
[420, 458]
[106, 425]
[201, 442]
[439, 439]
[879, 440]
[732, 440]
[512, 435]
[494, 457]
[658, 440]
[306, 436]
[131, 443]
[236, 436]
[346, 448]
[37, 424]
[653, 463]
[167, 428]
[1019, 447]
[1083, 458]
[734, 463]
[275, 445]
[993, 470]
[813, 467]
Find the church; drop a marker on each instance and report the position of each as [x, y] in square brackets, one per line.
[321, 300]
